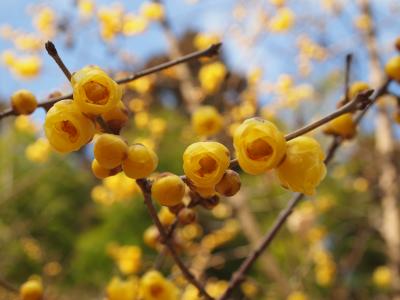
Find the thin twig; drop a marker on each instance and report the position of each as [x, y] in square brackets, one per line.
[349, 58]
[52, 51]
[8, 286]
[160, 258]
[145, 187]
[209, 52]
[239, 275]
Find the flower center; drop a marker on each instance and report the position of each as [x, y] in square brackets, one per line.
[70, 129]
[96, 92]
[207, 166]
[156, 290]
[258, 149]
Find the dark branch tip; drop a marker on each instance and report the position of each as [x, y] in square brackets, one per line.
[214, 49]
[51, 48]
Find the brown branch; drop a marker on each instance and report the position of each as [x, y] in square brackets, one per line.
[52, 51]
[8, 286]
[209, 52]
[145, 186]
[349, 58]
[239, 275]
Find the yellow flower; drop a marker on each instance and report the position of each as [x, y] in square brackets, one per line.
[100, 172]
[141, 161]
[133, 25]
[23, 102]
[259, 145]
[393, 68]
[382, 277]
[297, 295]
[230, 184]
[216, 288]
[356, 88]
[282, 21]
[128, 259]
[153, 286]
[151, 236]
[204, 163]
[110, 150]
[211, 76]
[94, 91]
[25, 124]
[204, 40]
[27, 66]
[45, 21]
[166, 216]
[141, 85]
[303, 167]
[207, 121]
[31, 289]
[343, 126]
[168, 189]
[85, 8]
[152, 11]
[119, 289]
[66, 128]
[38, 151]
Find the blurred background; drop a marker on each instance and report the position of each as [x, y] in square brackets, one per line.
[282, 60]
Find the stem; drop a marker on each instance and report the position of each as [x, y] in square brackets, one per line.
[52, 51]
[209, 52]
[349, 58]
[103, 124]
[8, 286]
[145, 186]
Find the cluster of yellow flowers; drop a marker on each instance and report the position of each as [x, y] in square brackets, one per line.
[290, 95]
[113, 20]
[24, 66]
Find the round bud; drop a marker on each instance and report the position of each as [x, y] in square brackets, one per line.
[343, 126]
[23, 102]
[187, 216]
[100, 172]
[140, 163]
[229, 184]
[151, 236]
[392, 68]
[31, 290]
[168, 189]
[110, 150]
[210, 203]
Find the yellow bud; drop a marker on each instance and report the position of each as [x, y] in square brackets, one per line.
[66, 128]
[230, 184]
[31, 290]
[154, 286]
[151, 236]
[168, 189]
[393, 68]
[140, 163]
[110, 150]
[303, 167]
[94, 91]
[343, 126]
[211, 77]
[100, 172]
[204, 163]
[356, 88]
[297, 295]
[259, 145]
[152, 11]
[23, 102]
[116, 118]
[207, 121]
[166, 216]
[187, 216]
[382, 277]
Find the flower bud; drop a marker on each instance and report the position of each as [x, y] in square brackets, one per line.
[110, 150]
[23, 102]
[259, 145]
[392, 68]
[204, 163]
[116, 118]
[168, 189]
[31, 290]
[94, 91]
[100, 172]
[141, 161]
[187, 216]
[356, 88]
[66, 128]
[206, 121]
[342, 126]
[153, 285]
[230, 184]
[303, 167]
[151, 236]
